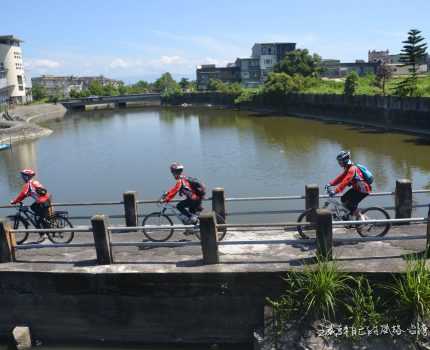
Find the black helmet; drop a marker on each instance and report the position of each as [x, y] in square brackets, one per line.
[344, 157]
[176, 168]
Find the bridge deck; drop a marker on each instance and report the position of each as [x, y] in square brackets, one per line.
[387, 256]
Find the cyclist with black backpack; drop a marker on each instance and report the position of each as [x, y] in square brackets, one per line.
[355, 175]
[33, 188]
[189, 187]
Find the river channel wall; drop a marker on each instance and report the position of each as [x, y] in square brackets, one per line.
[136, 307]
[390, 112]
[23, 125]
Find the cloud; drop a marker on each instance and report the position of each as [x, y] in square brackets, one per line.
[119, 63]
[167, 60]
[42, 63]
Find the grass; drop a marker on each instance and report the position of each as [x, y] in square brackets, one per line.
[313, 293]
[321, 292]
[366, 86]
[411, 292]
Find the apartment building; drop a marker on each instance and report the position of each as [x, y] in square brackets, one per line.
[12, 77]
[63, 85]
[251, 71]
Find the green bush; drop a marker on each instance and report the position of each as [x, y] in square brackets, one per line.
[411, 292]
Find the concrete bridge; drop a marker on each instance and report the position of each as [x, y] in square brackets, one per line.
[121, 101]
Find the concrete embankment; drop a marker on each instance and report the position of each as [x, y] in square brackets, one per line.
[409, 115]
[25, 118]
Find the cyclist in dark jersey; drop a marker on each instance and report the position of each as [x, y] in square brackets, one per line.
[192, 203]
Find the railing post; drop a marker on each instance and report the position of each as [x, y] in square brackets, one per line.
[130, 208]
[428, 235]
[403, 198]
[218, 201]
[312, 201]
[7, 243]
[102, 239]
[208, 235]
[324, 232]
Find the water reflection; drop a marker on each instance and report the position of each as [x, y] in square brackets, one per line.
[20, 156]
[98, 155]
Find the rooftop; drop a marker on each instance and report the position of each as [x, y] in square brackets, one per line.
[4, 38]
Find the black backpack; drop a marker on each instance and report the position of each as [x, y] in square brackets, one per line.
[197, 186]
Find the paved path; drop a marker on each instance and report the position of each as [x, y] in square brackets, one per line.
[388, 256]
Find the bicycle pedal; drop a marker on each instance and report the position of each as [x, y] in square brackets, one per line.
[188, 232]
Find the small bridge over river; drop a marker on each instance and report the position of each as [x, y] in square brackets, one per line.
[120, 101]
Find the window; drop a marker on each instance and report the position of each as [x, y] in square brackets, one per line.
[21, 88]
[19, 77]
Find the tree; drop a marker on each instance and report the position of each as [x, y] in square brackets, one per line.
[39, 92]
[184, 84]
[96, 88]
[279, 84]
[383, 73]
[351, 84]
[166, 83]
[412, 54]
[299, 62]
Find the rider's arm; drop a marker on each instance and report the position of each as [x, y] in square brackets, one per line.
[21, 195]
[173, 191]
[346, 179]
[338, 179]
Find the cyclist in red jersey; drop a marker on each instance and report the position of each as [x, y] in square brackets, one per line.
[193, 202]
[351, 176]
[33, 188]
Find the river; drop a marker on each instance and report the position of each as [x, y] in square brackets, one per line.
[96, 156]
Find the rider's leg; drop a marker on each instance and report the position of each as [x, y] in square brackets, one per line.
[358, 197]
[347, 201]
[182, 207]
[195, 206]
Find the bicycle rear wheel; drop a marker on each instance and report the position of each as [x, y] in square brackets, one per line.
[375, 229]
[59, 221]
[306, 231]
[19, 223]
[157, 219]
[221, 231]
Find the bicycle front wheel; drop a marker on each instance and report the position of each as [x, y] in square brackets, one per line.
[60, 222]
[157, 219]
[375, 229]
[18, 223]
[306, 231]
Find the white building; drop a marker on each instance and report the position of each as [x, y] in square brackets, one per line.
[12, 76]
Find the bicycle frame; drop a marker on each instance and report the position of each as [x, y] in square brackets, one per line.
[27, 215]
[335, 207]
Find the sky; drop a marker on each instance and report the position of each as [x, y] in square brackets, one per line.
[141, 39]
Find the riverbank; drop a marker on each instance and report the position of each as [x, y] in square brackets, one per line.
[389, 113]
[25, 118]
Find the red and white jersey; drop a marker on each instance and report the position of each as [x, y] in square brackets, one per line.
[29, 190]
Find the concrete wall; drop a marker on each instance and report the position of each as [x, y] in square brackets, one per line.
[136, 307]
[386, 111]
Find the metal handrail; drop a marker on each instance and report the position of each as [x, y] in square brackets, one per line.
[377, 221]
[385, 238]
[54, 245]
[49, 230]
[229, 199]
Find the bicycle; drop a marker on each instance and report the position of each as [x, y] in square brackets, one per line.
[340, 213]
[25, 218]
[162, 218]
